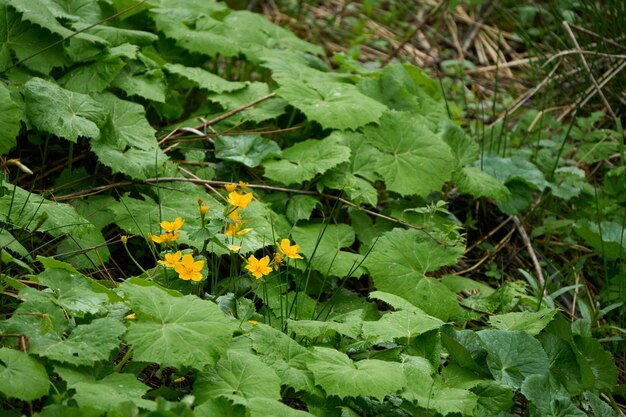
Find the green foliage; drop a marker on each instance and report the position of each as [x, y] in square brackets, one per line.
[172, 330]
[166, 295]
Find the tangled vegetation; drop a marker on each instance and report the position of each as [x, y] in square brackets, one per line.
[204, 214]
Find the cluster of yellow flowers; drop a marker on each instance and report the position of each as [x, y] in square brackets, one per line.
[170, 234]
[260, 267]
[189, 269]
[237, 201]
[185, 266]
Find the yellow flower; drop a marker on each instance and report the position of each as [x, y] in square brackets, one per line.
[124, 239]
[234, 248]
[239, 200]
[131, 316]
[278, 261]
[290, 251]
[164, 238]
[171, 227]
[254, 322]
[243, 185]
[203, 208]
[234, 216]
[235, 229]
[171, 259]
[258, 267]
[188, 269]
[230, 187]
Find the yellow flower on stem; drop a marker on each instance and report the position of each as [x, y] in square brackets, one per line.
[234, 248]
[164, 238]
[278, 261]
[230, 187]
[235, 229]
[203, 208]
[289, 250]
[239, 200]
[171, 227]
[243, 185]
[258, 267]
[235, 216]
[171, 259]
[188, 269]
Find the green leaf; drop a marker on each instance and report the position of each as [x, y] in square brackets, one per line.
[313, 329]
[358, 190]
[239, 376]
[219, 407]
[35, 11]
[32, 212]
[471, 180]
[432, 394]
[509, 169]
[569, 182]
[513, 356]
[263, 407]
[60, 410]
[8, 241]
[608, 238]
[61, 112]
[321, 245]
[75, 292]
[398, 263]
[9, 120]
[83, 10]
[31, 44]
[24, 377]
[175, 24]
[334, 105]
[409, 150]
[493, 398]
[563, 364]
[107, 393]
[174, 331]
[300, 207]
[395, 301]
[126, 142]
[599, 360]
[355, 178]
[94, 76]
[266, 110]
[204, 79]
[465, 348]
[254, 34]
[87, 344]
[532, 322]
[404, 87]
[304, 160]
[249, 150]
[149, 85]
[599, 407]
[284, 355]
[400, 324]
[338, 375]
[548, 398]
[464, 149]
[117, 36]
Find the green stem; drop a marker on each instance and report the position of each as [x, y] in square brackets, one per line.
[133, 258]
[124, 361]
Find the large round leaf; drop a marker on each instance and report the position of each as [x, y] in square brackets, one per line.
[174, 331]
